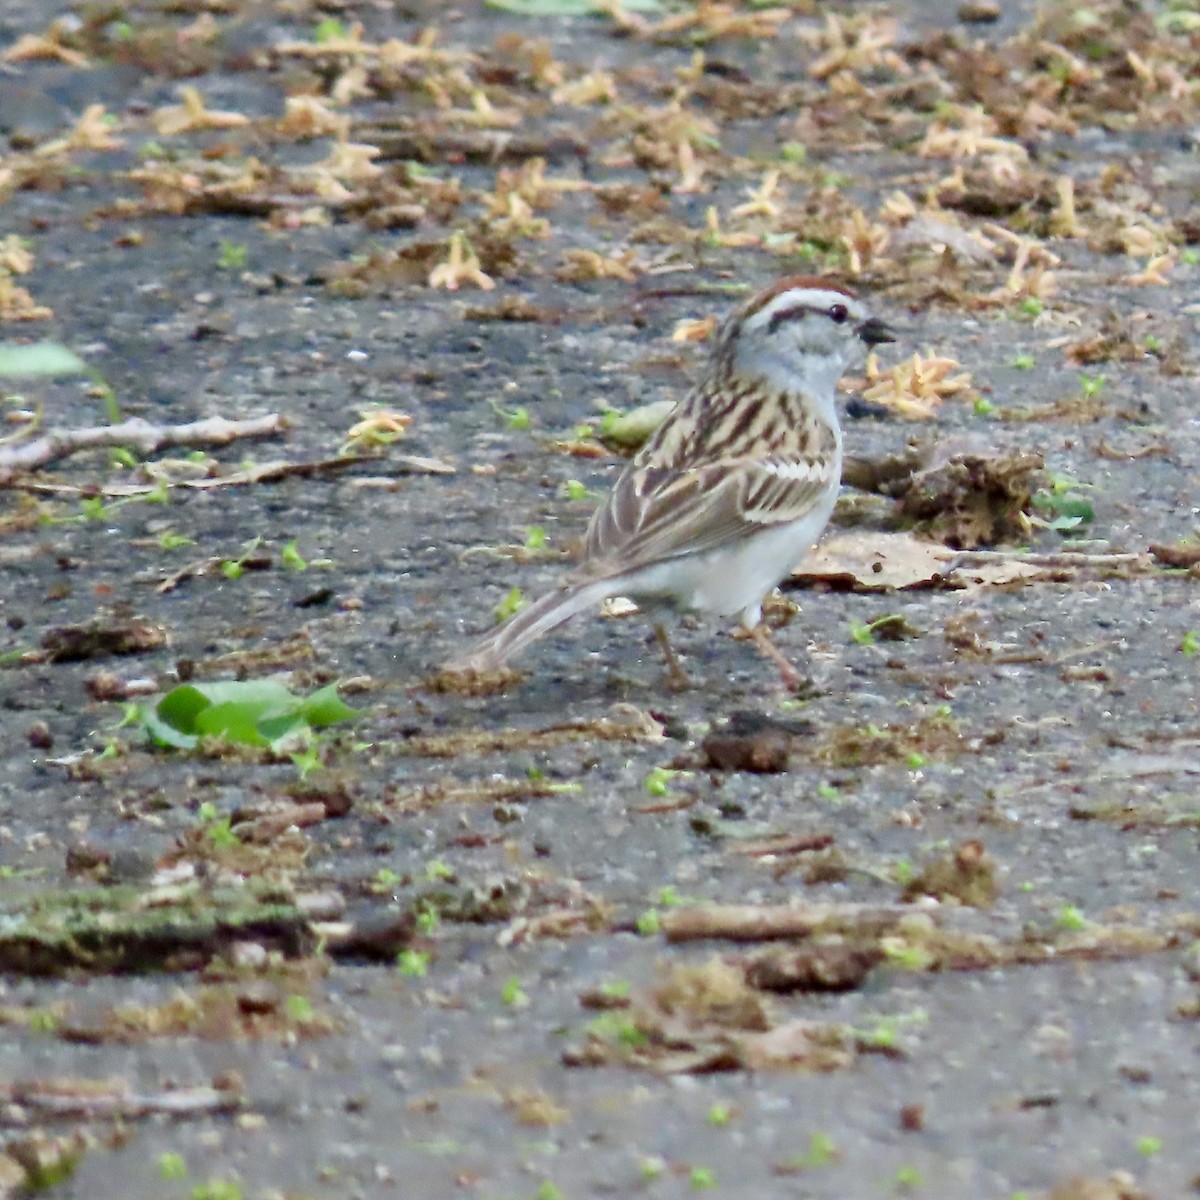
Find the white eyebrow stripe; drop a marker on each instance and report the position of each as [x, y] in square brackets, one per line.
[818, 299]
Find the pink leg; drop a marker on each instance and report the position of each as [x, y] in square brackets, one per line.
[760, 635]
[677, 677]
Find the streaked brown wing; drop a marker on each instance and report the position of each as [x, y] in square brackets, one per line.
[656, 513]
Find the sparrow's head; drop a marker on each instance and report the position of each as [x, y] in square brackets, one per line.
[800, 333]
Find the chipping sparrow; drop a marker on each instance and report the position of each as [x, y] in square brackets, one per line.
[732, 489]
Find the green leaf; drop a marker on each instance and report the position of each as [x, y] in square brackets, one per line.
[568, 8]
[252, 712]
[326, 707]
[631, 430]
[328, 30]
[172, 1166]
[180, 707]
[237, 722]
[42, 360]
[291, 558]
[163, 733]
[183, 705]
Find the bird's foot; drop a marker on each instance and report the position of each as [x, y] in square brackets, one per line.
[676, 679]
[792, 678]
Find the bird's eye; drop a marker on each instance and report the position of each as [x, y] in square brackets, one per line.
[838, 314]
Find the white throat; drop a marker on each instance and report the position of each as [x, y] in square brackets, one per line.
[784, 369]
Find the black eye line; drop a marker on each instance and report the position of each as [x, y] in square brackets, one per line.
[786, 314]
[798, 310]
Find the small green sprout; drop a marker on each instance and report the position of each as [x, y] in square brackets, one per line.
[827, 791]
[908, 1178]
[174, 541]
[292, 558]
[172, 1166]
[1024, 362]
[42, 1020]
[1070, 919]
[299, 1008]
[702, 1179]
[649, 923]
[652, 1167]
[719, 1115]
[861, 633]
[414, 963]
[669, 897]
[220, 833]
[575, 490]
[217, 1189]
[658, 781]
[617, 989]
[113, 749]
[439, 871]
[906, 957]
[548, 1191]
[822, 1150]
[514, 418]
[916, 760]
[308, 760]
[1064, 504]
[1092, 385]
[427, 919]
[1190, 643]
[512, 603]
[890, 627]
[513, 994]
[330, 29]
[983, 407]
[231, 256]
[793, 152]
[535, 538]
[1031, 306]
[1190, 256]
[1148, 1146]
[617, 1029]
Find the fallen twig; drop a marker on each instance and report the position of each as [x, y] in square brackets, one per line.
[57, 1098]
[1181, 555]
[136, 432]
[1064, 559]
[766, 922]
[268, 472]
[207, 566]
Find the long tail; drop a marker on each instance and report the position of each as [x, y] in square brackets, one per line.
[495, 648]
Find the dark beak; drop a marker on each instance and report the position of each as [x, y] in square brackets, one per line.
[873, 331]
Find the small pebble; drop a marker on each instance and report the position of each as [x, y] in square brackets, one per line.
[39, 735]
[979, 11]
